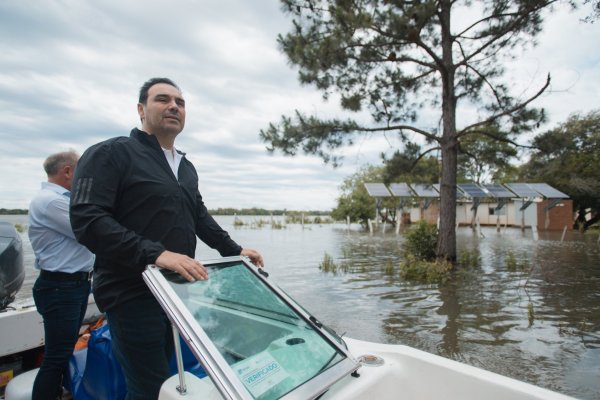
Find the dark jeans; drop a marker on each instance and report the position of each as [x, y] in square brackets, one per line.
[142, 341]
[62, 306]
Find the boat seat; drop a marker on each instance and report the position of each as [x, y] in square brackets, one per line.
[19, 387]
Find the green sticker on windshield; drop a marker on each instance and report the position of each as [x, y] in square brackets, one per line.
[260, 373]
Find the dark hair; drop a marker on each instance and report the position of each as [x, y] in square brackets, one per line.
[55, 162]
[151, 82]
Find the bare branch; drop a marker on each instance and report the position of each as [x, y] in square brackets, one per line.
[495, 117]
[401, 127]
[488, 83]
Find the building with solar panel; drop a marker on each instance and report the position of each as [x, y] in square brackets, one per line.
[522, 205]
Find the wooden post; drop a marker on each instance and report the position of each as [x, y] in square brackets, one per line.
[563, 234]
[522, 215]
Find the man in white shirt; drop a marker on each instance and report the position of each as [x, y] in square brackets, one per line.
[63, 286]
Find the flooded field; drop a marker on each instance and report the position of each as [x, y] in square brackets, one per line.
[538, 322]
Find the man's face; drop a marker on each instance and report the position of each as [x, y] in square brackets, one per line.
[164, 111]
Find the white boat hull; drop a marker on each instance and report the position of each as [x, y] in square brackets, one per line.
[22, 327]
[406, 373]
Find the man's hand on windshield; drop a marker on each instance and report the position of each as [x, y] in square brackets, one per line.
[254, 256]
[190, 269]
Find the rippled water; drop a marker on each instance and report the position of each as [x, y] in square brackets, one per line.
[540, 324]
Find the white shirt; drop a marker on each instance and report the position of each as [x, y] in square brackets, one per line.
[50, 232]
[173, 158]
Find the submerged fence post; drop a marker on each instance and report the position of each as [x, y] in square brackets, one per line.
[563, 234]
[370, 225]
[535, 232]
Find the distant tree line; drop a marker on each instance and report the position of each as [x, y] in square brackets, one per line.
[218, 211]
[263, 211]
[13, 211]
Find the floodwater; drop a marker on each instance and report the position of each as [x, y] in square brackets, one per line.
[539, 323]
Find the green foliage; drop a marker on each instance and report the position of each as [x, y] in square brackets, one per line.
[567, 159]
[354, 201]
[20, 228]
[513, 264]
[420, 241]
[436, 271]
[530, 313]
[420, 263]
[277, 225]
[594, 13]
[409, 166]
[328, 265]
[485, 156]
[389, 267]
[469, 259]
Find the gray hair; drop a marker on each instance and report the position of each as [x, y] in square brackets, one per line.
[55, 162]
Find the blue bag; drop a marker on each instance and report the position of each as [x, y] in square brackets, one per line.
[105, 381]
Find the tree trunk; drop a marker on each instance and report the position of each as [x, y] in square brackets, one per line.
[446, 244]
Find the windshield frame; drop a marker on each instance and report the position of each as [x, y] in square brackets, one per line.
[207, 353]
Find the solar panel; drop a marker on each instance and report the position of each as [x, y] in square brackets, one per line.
[472, 190]
[424, 190]
[548, 191]
[499, 191]
[522, 190]
[377, 190]
[400, 190]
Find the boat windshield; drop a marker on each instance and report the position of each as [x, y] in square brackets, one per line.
[272, 347]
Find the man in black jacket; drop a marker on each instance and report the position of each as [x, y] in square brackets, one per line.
[136, 202]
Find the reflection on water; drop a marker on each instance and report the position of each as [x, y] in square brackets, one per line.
[539, 323]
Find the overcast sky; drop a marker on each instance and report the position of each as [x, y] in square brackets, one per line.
[70, 72]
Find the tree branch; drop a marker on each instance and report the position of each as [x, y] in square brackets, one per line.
[495, 117]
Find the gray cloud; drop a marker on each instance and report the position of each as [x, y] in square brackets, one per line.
[70, 72]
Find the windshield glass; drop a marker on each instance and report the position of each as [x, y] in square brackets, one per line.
[271, 348]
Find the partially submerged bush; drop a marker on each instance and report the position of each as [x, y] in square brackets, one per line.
[436, 271]
[389, 267]
[421, 241]
[328, 265]
[469, 259]
[512, 264]
[419, 262]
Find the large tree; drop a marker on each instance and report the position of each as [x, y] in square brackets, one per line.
[396, 58]
[568, 158]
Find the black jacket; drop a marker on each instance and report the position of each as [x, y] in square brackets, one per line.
[127, 207]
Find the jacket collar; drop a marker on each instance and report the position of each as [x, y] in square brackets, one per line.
[148, 140]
